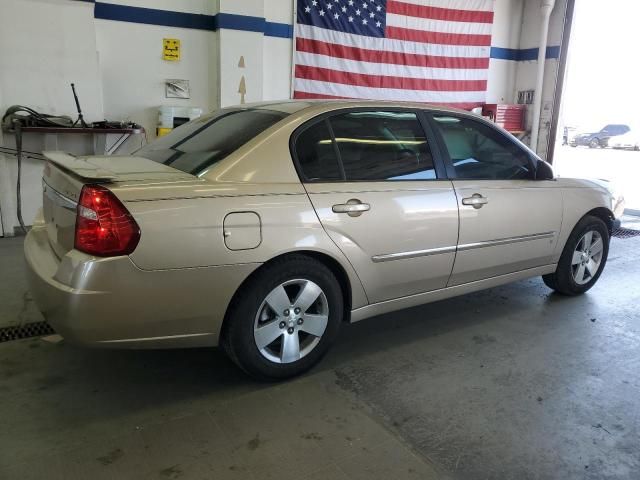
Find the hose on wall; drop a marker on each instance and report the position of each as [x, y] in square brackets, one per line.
[18, 129]
[14, 119]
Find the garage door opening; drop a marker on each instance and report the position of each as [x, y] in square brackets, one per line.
[599, 125]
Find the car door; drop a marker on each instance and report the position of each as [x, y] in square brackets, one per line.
[509, 220]
[381, 197]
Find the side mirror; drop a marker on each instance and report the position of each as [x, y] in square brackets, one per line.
[544, 171]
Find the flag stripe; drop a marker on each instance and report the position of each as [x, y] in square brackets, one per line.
[439, 13]
[380, 81]
[438, 37]
[441, 26]
[426, 51]
[390, 45]
[393, 94]
[389, 69]
[388, 57]
[320, 96]
[473, 5]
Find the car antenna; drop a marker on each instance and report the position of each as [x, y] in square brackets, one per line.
[80, 118]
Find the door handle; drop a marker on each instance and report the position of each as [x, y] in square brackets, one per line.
[476, 200]
[353, 207]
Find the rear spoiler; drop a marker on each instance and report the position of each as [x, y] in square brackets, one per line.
[79, 166]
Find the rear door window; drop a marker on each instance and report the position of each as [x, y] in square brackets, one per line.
[366, 146]
[379, 145]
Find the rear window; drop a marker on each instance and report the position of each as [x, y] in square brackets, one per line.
[199, 144]
[615, 129]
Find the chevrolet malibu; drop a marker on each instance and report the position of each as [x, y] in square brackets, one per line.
[261, 228]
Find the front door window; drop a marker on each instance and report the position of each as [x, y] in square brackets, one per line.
[479, 151]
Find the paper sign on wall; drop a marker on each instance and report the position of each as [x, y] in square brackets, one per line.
[171, 49]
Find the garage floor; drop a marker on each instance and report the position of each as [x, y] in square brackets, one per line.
[510, 383]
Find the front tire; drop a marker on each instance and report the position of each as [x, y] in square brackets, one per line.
[284, 319]
[594, 143]
[583, 258]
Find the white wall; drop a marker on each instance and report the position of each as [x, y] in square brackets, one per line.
[117, 68]
[277, 68]
[526, 71]
[241, 44]
[277, 79]
[507, 26]
[133, 77]
[206, 7]
[46, 45]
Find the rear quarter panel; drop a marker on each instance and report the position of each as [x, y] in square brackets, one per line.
[189, 233]
[182, 223]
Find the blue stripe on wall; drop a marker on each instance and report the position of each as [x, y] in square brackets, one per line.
[520, 55]
[246, 23]
[152, 16]
[281, 30]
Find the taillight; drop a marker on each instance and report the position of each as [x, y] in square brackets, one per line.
[104, 227]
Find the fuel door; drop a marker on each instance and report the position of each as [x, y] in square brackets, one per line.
[242, 230]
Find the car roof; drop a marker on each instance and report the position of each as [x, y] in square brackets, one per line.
[321, 106]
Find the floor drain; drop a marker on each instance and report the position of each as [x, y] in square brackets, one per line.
[625, 233]
[28, 330]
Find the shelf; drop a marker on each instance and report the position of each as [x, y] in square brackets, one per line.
[81, 130]
[52, 135]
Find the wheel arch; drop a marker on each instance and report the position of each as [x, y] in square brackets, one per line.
[603, 214]
[327, 260]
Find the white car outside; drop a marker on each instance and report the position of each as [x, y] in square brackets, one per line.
[628, 141]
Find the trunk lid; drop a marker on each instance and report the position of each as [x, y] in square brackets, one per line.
[65, 175]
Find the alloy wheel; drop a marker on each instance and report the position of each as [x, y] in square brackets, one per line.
[587, 257]
[291, 321]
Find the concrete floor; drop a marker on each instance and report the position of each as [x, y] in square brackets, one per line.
[510, 383]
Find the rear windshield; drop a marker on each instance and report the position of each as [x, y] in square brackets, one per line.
[615, 129]
[197, 145]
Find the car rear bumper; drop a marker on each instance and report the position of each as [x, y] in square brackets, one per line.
[110, 302]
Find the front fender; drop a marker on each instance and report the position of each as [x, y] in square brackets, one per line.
[579, 197]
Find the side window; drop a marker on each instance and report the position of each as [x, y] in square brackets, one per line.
[316, 154]
[378, 145]
[478, 151]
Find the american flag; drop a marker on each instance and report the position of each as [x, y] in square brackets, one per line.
[434, 51]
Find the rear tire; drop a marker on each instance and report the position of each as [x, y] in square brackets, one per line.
[285, 318]
[583, 258]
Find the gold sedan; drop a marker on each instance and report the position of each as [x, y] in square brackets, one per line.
[263, 227]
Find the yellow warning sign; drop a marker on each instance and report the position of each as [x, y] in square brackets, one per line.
[171, 49]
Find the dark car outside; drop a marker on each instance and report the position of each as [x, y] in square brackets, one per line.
[599, 139]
